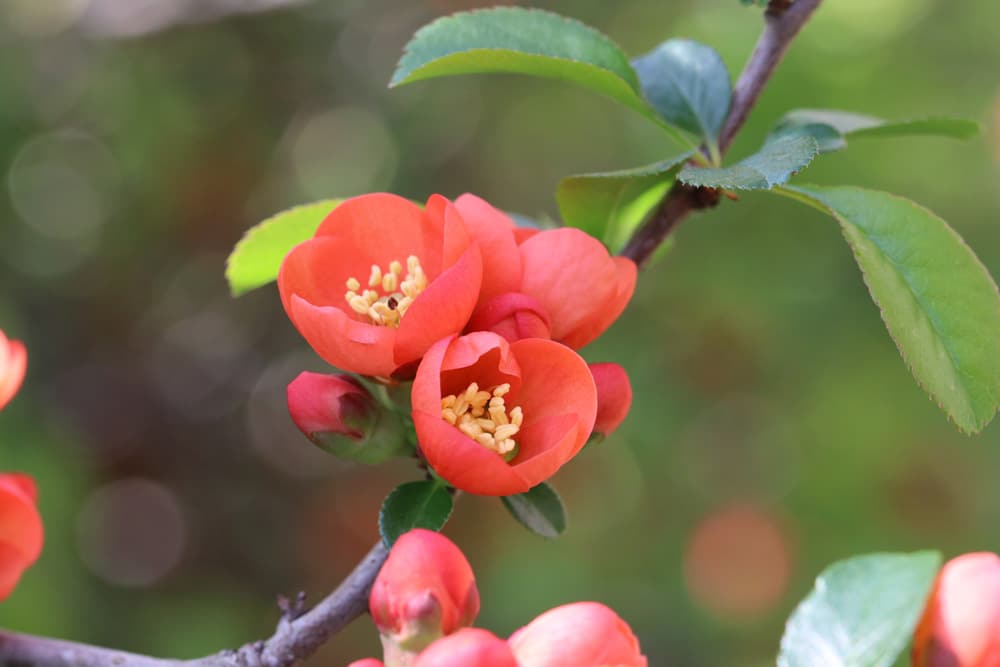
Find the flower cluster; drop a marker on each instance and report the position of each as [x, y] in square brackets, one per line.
[21, 534]
[425, 598]
[485, 318]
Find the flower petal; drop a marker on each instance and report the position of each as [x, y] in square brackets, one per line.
[462, 462]
[344, 342]
[572, 275]
[545, 445]
[555, 381]
[627, 274]
[317, 271]
[382, 227]
[443, 308]
[494, 232]
[512, 315]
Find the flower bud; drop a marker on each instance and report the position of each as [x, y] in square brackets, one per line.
[614, 396]
[513, 316]
[367, 662]
[13, 364]
[425, 590]
[20, 529]
[961, 623]
[469, 647]
[340, 416]
[583, 634]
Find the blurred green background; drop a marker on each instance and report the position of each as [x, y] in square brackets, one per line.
[775, 428]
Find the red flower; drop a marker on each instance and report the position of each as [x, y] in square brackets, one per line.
[469, 647]
[331, 404]
[20, 529]
[583, 634]
[497, 418]
[381, 281]
[614, 396]
[13, 364]
[580, 288]
[961, 623]
[339, 415]
[425, 589]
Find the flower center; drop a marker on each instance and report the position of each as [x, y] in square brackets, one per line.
[388, 295]
[483, 416]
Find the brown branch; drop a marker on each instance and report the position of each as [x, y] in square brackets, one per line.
[297, 638]
[782, 22]
[293, 640]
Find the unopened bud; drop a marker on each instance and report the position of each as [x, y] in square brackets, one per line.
[961, 623]
[469, 647]
[20, 529]
[340, 416]
[582, 634]
[614, 396]
[425, 590]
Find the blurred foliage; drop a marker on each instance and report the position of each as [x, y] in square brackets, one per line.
[774, 430]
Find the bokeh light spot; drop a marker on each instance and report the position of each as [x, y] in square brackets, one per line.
[132, 532]
[737, 562]
[342, 152]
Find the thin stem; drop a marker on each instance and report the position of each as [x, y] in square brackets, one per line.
[782, 22]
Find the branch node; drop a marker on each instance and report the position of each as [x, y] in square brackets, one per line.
[292, 608]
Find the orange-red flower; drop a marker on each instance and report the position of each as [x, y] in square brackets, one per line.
[497, 418]
[425, 589]
[13, 364]
[583, 634]
[20, 529]
[577, 287]
[381, 281]
[469, 647]
[340, 416]
[614, 396]
[961, 623]
[323, 406]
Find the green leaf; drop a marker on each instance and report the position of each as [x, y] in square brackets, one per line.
[688, 84]
[524, 41]
[770, 166]
[861, 613]
[938, 301]
[256, 259]
[425, 504]
[540, 510]
[831, 128]
[610, 205]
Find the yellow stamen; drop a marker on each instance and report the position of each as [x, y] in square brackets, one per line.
[482, 415]
[388, 294]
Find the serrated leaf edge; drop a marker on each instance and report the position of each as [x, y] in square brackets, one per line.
[979, 424]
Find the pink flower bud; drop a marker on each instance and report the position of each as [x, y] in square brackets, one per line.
[614, 396]
[513, 316]
[583, 634]
[339, 415]
[425, 590]
[13, 364]
[367, 662]
[961, 624]
[21, 534]
[469, 647]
